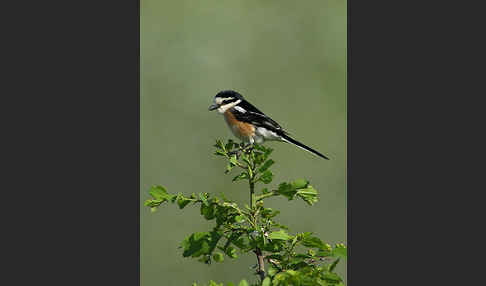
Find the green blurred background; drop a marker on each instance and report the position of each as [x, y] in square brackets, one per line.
[288, 58]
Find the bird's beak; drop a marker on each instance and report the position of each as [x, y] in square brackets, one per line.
[213, 107]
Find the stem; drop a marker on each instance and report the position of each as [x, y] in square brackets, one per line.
[252, 194]
[267, 195]
[261, 263]
[258, 252]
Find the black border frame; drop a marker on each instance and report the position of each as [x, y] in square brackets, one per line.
[72, 143]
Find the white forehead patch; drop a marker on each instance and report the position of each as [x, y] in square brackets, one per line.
[219, 100]
[224, 107]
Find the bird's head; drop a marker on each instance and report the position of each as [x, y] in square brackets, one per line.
[225, 99]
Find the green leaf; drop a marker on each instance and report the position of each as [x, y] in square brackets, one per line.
[241, 176]
[229, 167]
[159, 193]
[272, 270]
[245, 159]
[229, 145]
[212, 283]
[280, 277]
[309, 195]
[340, 251]
[182, 201]
[233, 160]
[219, 153]
[239, 218]
[218, 257]
[313, 242]
[267, 281]
[243, 283]
[332, 277]
[333, 265]
[242, 243]
[266, 165]
[208, 211]
[266, 177]
[286, 190]
[152, 203]
[203, 197]
[299, 183]
[196, 244]
[280, 235]
[231, 252]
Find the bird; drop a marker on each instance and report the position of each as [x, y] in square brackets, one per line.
[250, 124]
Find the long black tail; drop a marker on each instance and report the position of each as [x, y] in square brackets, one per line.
[302, 146]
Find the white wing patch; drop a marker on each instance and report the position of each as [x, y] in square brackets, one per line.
[240, 109]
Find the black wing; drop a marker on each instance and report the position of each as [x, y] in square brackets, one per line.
[256, 117]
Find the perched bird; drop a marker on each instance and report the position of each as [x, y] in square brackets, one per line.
[250, 124]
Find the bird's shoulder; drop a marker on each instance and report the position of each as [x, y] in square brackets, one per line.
[246, 112]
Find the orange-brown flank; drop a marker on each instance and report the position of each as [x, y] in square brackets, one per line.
[239, 128]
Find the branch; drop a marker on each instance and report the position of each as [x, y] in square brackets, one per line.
[267, 195]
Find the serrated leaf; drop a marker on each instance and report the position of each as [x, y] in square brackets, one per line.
[280, 235]
[266, 165]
